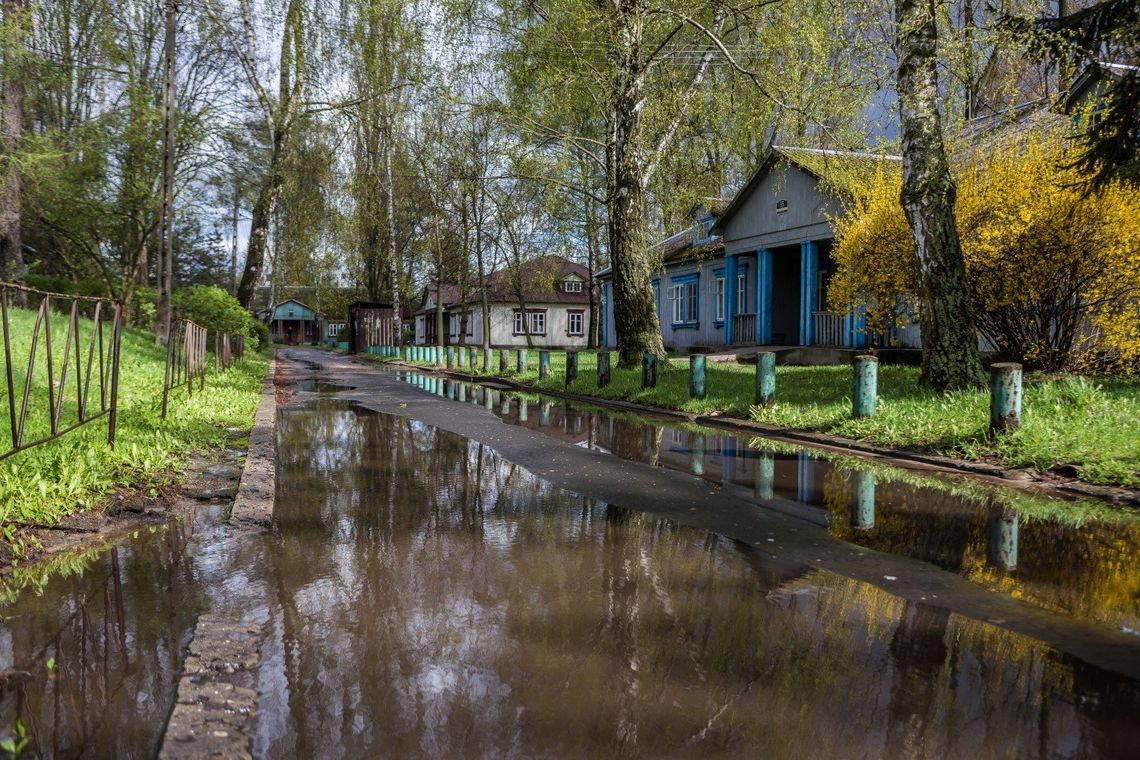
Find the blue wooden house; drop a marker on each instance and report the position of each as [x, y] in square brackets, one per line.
[294, 323]
[754, 271]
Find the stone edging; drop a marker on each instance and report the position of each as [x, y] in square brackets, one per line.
[903, 457]
[214, 707]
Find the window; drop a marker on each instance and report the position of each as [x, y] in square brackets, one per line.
[685, 302]
[719, 299]
[741, 293]
[334, 329]
[574, 323]
[537, 322]
[572, 286]
[702, 231]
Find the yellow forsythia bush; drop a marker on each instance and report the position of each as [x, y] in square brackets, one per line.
[1054, 273]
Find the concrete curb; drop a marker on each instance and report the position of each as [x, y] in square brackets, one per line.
[253, 505]
[215, 706]
[901, 457]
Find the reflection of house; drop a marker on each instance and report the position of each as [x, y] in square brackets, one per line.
[755, 271]
[294, 323]
[546, 299]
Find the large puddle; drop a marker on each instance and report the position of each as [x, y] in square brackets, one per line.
[422, 596]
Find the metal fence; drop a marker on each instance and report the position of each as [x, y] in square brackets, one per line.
[69, 375]
[227, 350]
[185, 359]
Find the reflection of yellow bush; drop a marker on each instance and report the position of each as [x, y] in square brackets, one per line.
[1054, 274]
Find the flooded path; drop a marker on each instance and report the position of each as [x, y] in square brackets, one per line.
[457, 571]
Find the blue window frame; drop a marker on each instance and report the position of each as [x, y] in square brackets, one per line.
[686, 301]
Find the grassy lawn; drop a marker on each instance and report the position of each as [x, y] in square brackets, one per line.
[45, 483]
[1093, 423]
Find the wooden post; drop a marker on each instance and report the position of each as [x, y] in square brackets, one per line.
[461, 356]
[472, 358]
[438, 351]
[649, 371]
[864, 390]
[522, 361]
[1005, 397]
[603, 369]
[863, 501]
[571, 366]
[765, 378]
[450, 357]
[488, 360]
[504, 361]
[697, 385]
[543, 365]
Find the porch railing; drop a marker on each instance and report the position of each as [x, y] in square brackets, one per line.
[744, 329]
[68, 373]
[828, 328]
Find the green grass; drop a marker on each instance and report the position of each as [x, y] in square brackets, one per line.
[78, 471]
[1093, 423]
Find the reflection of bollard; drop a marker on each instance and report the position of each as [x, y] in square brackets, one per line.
[1005, 397]
[505, 409]
[649, 371]
[696, 376]
[522, 410]
[697, 453]
[521, 362]
[571, 366]
[603, 369]
[865, 386]
[765, 378]
[504, 361]
[463, 393]
[765, 484]
[863, 500]
[1001, 549]
[543, 365]
[489, 401]
[544, 413]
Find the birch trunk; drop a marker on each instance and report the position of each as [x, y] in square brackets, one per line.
[11, 243]
[950, 356]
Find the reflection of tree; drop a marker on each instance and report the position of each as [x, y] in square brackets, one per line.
[919, 652]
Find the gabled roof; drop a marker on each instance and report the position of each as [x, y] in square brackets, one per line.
[843, 171]
[539, 278]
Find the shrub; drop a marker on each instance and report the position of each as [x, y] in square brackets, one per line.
[1054, 274]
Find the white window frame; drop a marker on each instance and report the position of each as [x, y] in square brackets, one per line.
[677, 298]
[538, 323]
[517, 327]
[720, 299]
[571, 318]
[572, 286]
[741, 292]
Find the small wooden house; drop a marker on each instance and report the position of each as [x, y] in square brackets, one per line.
[294, 323]
[369, 324]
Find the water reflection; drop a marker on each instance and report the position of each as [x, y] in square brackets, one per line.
[89, 661]
[1089, 568]
[437, 600]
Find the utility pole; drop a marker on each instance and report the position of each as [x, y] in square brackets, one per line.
[166, 260]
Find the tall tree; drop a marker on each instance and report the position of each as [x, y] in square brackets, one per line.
[11, 131]
[950, 356]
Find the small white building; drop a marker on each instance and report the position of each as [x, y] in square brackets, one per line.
[545, 303]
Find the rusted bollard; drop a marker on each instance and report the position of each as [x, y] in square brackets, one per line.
[765, 378]
[543, 365]
[864, 391]
[697, 385]
[571, 366]
[1005, 397]
[603, 369]
[649, 371]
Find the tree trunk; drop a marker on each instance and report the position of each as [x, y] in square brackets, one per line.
[950, 357]
[263, 210]
[11, 243]
[166, 260]
[635, 312]
[393, 262]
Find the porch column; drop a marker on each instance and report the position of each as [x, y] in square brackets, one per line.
[809, 273]
[764, 296]
[730, 266]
